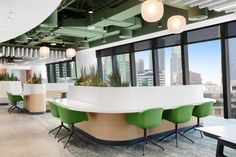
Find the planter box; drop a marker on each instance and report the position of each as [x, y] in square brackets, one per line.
[35, 98]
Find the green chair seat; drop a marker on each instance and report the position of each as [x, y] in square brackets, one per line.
[200, 111]
[177, 116]
[70, 117]
[55, 113]
[147, 119]
[13, 100]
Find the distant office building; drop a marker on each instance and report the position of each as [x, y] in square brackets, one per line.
[140, 66]
[195, 78]
[107, 67]
[145, 78]
[124, 67]
[176, 66]
[232, 60]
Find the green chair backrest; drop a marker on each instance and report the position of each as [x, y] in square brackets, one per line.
[180, 114]
[53, 109]
[202, 110]
[147, 119]
[14, 98]
[70, 116]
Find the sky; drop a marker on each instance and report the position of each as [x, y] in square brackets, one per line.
[204, 58]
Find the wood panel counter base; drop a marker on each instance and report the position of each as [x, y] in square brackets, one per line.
[35, 103]
[113, 129]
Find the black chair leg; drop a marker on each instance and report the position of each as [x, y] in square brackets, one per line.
[145, 139]
[134, 143]
[54, 129]
[185, 137]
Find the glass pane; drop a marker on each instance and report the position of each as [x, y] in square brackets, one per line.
[170, 66]
[64, 69]
[231, 29]
[106, 67]
[51, 73]
[142, 45]
[124, 67]
[203, 34]
[205, 69]
[144, 70]
[170, 40]
[72, 69]
[57, 69]
[232, 60]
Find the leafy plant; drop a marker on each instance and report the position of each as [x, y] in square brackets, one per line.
[115, 80]
[89, 79]
[35, 79]
[8, 77]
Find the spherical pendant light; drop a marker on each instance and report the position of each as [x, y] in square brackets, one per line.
[176, 24]
[152, 10]
[70, 52]
[44, 51]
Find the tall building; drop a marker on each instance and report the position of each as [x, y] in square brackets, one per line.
[176, 65]
[123, 65]
[140, 66]
[232, 59]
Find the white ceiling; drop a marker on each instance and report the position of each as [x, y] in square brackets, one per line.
[20, 16]
[217, 5]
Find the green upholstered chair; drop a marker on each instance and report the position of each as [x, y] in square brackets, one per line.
[147, 119]
[55, 113]
[177, 116]
[200, 111]
[13, 100]
[71, 117]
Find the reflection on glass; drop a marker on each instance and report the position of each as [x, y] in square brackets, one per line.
[144, 70]
[106, 67]
[170, 66]
[123, 67]
[205, 69]
[232, 61]
[72, 69]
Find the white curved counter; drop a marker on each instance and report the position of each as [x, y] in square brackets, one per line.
[94, 108]
[107, 108]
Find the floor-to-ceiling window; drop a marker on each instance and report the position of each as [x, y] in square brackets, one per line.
[144, 69]
[123, 65]
[205, 69]
[106, 67]
[170, 66]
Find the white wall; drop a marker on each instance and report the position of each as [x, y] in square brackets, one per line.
[85, 58]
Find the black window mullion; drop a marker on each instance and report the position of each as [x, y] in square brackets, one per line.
[68, 69]
[54, 73]
[225, 72]
[60, 70]
[185, 61]
[48, 73]
[132, 66]
[155, 65]
[100, 72]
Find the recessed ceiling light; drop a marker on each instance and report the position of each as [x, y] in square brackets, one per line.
[53, 44]
[91, 27]
[90, 11]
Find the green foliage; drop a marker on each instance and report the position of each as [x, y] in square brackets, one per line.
[8, 77]
[35, 79]
[115, 80]
[92, 78]
[89, 79]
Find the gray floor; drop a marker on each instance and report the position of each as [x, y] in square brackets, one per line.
[24, 135]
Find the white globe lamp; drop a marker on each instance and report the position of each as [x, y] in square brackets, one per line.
[152, 10]
[176, 24]
[70, 52]
[44, 51]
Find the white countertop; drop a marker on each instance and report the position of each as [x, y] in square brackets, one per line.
[93, 108]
